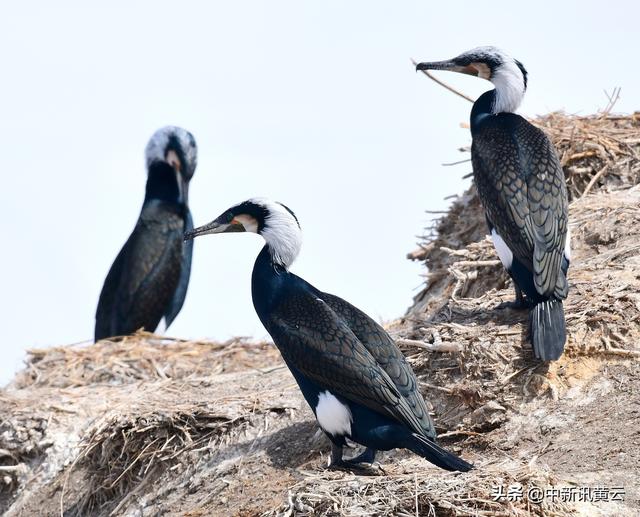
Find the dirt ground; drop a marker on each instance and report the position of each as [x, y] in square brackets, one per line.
[150, 426]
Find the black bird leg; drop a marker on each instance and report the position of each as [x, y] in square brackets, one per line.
[336, 456]
[367, 456]
[518, 304]
[337, 461]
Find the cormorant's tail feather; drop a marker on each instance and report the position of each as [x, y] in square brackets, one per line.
[440, 457]
[548, 329]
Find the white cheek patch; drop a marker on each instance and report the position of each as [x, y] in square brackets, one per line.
[567, 245]
[505, 254]
[249, 223]
[333, 416]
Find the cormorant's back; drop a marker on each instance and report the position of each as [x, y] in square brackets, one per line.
[145, 274]
[522, 188]
[331, 341]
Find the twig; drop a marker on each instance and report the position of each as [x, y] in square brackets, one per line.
[439, 388]
[451, 164]
[616, 351]
[418, 254]
[512, 375]
[457, 253]
[459, 433]
[477, 263]
[613, 99]
[20, 467]
[594, 179]
[443, 84]
[432, 347]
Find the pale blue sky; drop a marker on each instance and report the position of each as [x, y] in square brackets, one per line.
[314, 104]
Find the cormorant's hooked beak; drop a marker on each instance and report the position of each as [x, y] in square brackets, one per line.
[450, 66]
[174, 160]
[184, 189]
[215, 227]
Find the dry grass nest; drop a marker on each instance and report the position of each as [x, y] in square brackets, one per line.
[140, 357]
[124, 452]
[169, 427]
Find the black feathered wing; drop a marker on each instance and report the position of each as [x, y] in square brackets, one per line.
[319, 344]
[143, 279]
[522, 188]
[181, 291]
[386, 353]
[106, 302]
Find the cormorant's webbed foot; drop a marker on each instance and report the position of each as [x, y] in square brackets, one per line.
[516, 305]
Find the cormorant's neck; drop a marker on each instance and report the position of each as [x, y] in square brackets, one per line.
[510, 81]
[163, 184]
[283, 237]
[266, 279]
[482, 108]
[510, 84]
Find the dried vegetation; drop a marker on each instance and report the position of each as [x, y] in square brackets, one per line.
[147, 425]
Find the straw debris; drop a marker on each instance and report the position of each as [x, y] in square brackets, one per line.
[413, 493]
[140, 357]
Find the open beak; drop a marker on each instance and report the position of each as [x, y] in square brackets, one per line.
[214, 227]
[449, 65]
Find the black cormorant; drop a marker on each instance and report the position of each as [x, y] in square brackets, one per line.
[522, 188]
[350, 371]
[148, 280]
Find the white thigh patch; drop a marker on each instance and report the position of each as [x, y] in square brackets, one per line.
[162, 326]
[567, 245]
[333, 416]
[506, 257]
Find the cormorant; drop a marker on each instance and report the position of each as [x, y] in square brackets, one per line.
[349, 370]
[148, 279]
[522, 187]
